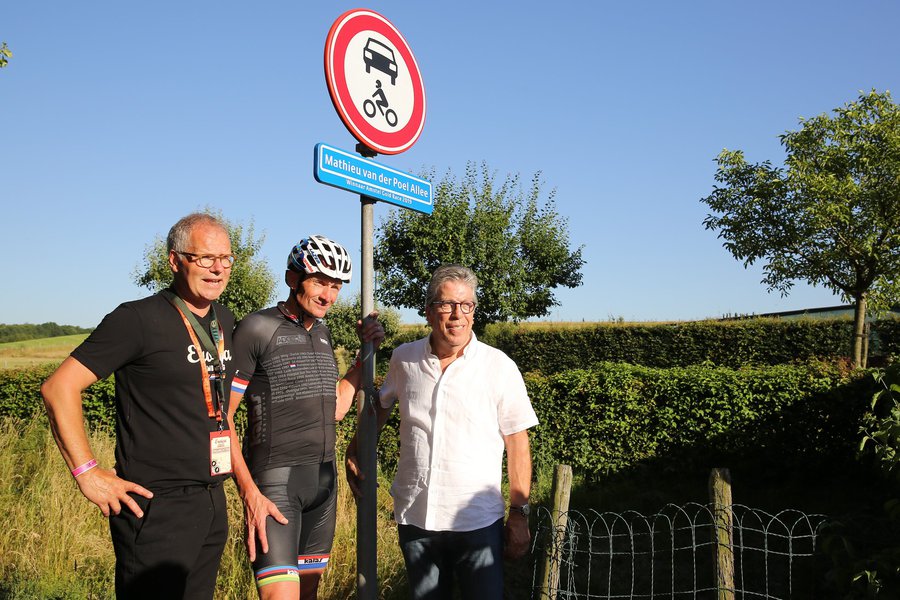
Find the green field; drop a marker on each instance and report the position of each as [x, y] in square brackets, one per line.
[34, 352]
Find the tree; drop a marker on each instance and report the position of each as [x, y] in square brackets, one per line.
[830, 216]
[251, 286]
[517, 246]
[5, 55]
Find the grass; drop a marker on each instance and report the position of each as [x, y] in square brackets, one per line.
[29, 353]
[55, 544]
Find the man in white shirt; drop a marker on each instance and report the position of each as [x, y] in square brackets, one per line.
[462, 403]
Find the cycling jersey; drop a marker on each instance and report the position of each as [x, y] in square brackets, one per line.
[290, 376]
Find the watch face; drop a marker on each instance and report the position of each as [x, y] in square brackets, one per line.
[524, 509]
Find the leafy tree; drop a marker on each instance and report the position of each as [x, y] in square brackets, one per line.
[830, 216]
[516, 244]
[251, 286]
[5, 55]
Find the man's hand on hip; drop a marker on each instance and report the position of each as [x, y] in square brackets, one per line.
[109, 492]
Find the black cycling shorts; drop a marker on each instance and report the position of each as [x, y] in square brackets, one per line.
[307, 496]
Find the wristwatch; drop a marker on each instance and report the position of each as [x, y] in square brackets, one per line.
[523, 510]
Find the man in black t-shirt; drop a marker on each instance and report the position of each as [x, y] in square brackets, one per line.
[285, 368]
[170, 354]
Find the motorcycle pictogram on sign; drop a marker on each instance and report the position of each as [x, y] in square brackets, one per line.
[374, 82]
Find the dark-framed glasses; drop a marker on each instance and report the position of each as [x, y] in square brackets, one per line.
[208, 260]
[445, 306]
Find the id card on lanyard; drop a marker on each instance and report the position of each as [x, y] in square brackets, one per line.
[213, 383]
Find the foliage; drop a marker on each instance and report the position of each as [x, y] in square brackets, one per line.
[517, 245]
[28, 331]
[831, 217]
[865, 560]
[614, 416]
[5, 55]
[252, 284]
[759, 341]
[882, 430]
[20, 396]
[343, 315]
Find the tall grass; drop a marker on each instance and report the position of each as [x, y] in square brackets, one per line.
[55, 544]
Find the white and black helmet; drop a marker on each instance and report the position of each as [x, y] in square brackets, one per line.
[318, 254]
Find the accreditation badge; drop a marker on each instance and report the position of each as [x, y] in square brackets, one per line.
[219, 452]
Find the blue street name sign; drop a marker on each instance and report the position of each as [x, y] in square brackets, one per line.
[349, 172]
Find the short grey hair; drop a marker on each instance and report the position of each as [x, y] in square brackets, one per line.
[180, 235]
[450, 272]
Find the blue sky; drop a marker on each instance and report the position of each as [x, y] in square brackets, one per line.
[119, 118]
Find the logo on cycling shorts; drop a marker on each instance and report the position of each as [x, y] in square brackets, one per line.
[312, 563]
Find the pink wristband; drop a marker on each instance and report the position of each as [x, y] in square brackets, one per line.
[84, 468]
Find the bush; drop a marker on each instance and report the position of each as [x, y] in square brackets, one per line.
[724, 343]
[20, 396]
[614, 416]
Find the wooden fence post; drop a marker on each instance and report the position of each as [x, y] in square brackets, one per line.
[559, 518]
[723, 533]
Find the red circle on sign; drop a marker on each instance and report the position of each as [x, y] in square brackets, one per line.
[344, 30]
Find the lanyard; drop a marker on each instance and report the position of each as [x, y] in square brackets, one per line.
[215, 347]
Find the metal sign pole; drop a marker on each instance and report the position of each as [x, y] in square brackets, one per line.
[351, 77]
[366, 541]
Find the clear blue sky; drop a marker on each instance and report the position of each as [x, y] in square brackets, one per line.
[120, 117]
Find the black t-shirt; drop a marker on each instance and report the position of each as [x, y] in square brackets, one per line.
[162, 420]
[291, 397]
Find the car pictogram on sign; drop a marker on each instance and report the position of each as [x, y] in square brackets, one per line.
[378, 56]
[374, 81]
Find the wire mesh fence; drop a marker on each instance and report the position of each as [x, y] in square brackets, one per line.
[673, 554]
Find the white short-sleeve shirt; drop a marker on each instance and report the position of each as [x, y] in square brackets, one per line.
[451, 433]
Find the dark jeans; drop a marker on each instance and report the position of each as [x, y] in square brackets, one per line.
[434, 557]
[174, 550]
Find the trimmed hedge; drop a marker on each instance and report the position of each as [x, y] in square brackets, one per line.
[724, 343]
[888, 336]
[615, 416]
[20, 396]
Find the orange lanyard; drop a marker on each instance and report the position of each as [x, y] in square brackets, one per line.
[214, 412]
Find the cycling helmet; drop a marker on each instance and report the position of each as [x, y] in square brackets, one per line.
[318, 254]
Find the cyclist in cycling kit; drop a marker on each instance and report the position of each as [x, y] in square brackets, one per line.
[286, 370]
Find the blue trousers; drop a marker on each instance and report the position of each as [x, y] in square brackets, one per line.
[433, 558]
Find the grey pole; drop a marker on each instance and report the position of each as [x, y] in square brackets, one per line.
[366, 541]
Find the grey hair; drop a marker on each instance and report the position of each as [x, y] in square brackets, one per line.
[180, 235]
[445, 273]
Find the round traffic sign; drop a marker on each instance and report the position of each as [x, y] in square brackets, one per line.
[374, 81]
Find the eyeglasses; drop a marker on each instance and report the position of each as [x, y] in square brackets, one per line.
[445, 306]
[206, 260]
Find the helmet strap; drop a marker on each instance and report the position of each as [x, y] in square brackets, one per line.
[292, 309]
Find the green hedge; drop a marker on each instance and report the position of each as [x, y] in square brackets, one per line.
[20, 396]
[615, 416]
[887, 332]
[724, 343]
